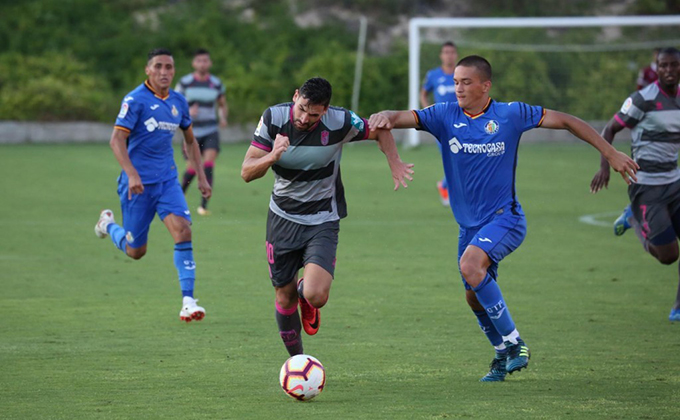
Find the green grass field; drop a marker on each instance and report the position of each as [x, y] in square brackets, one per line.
[89, 334]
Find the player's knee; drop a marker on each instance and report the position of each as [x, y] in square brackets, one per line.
[184, 233]
[472, 273]
[318, 299]
[136, 253]
[668, 258]
[286, 298]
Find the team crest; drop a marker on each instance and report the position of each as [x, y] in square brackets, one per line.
[324, 137]
[492, 127]
[174, 111]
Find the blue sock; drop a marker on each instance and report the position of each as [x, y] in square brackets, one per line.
[186, 267]
[487, 328]
[490, 296]
[117, 235]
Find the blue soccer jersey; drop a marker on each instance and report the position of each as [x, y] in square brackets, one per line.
[480, 155]
[152, 121]
[441, 85]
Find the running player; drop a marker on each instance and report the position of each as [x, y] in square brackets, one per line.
[653, 115]
[480, 138]
[205, 94]
[302, 143]
[142, 144]
[439, 82]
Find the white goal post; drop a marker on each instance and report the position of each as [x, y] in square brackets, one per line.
[416, 24]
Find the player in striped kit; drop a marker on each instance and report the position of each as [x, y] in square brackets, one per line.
[302, 142]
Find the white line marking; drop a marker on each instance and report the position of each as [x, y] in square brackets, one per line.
[593, 219]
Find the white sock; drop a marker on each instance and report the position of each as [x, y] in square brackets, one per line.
[512, 337]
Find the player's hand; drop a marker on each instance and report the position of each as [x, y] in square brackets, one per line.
[135, 185]
[193, 110]
[205, 188]
[400, 173]
[379, 121]
[624, 165]
[600, 180]
[281, 144]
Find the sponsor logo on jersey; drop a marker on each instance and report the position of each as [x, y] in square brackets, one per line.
[153, 107]
[151, 125]
[626, 105]
[123, 110]
[490, 149]
[324, 137]
[444, 89]
[128, 99]
[492, 127]
[357, 121]
[175, 112]
[459, 125]
[454, 145]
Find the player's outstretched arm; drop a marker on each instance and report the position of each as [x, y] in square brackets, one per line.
[393, 119]
[194, 154]
[258, 161]
[400, 171]
[118, 144]
[621, 163]
[601, 178]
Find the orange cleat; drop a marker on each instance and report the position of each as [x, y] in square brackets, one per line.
[311, 316]
[443, 194]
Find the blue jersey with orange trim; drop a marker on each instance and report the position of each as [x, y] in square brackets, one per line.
[152, 121]
[480, 155]
[441, 85]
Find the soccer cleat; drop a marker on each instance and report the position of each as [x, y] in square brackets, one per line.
[518, 356]
[190, 311]
[311, 316]
[621, 224]
[497, 370]
[203, 211]
[675, 315]
[105, 219]
[443, 194]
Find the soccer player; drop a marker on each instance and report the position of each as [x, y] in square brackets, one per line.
[205, 94]
[302, 142]
[148, 185]
[648, 75]
[439, 82]
[653, 115]
[480, 138]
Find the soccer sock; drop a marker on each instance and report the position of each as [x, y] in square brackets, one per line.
[186, 267]
[189, 175]
[490, 296]
[208, 167]
[300, 289]
[288, 321]
[117, 234]
[488, 329]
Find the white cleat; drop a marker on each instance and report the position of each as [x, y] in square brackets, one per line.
[190, 311]
[105, 219]
[203, 211]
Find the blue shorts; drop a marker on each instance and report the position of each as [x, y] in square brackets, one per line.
[498, 238]
[163, 198]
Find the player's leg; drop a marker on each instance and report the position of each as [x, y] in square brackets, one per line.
[442, 185]
[189, 172]
[675, 209]
[173, 211]
[288, 318]
[210, 150]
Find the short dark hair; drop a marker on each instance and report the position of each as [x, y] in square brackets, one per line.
[317, 91]
[668, 51]
[448, 44]
[478, 62]
[201, 51]
[158, 51]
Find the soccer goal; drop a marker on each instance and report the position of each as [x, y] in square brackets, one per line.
[582, 65]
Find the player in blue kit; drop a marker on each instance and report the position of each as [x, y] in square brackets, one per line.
[480, 138]
[148, 184]
[439, 82]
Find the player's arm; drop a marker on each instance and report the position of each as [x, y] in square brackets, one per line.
[118, 144]
[194, 155]
[601, 178]
[222, 110]
[621, 163]
[393, 119]
[400, 171]
[258, 161]
[424, 99]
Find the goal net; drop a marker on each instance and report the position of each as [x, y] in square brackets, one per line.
[585, 66]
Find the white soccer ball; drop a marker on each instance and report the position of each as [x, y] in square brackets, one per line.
[302, 377]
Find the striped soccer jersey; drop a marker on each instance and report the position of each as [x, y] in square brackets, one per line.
[205, 93]
[654, 120]
[307, 183]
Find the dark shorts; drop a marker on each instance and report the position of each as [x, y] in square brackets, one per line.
[211, 141]
[290, 246]
[654, 207]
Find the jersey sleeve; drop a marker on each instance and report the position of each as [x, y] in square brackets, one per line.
[431, 119]
[632, 111]
[129, 114]
[427, 82]
[186, 117]
[357, 127]
[262, 137]
[527, 116]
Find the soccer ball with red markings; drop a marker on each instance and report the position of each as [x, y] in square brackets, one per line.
[302, 377]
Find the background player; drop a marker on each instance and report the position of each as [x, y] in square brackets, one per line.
[205, 94]
[439, 82]
[653, 115]
[142, 144]
[302, 143]
[647, 75]
[480, 139]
